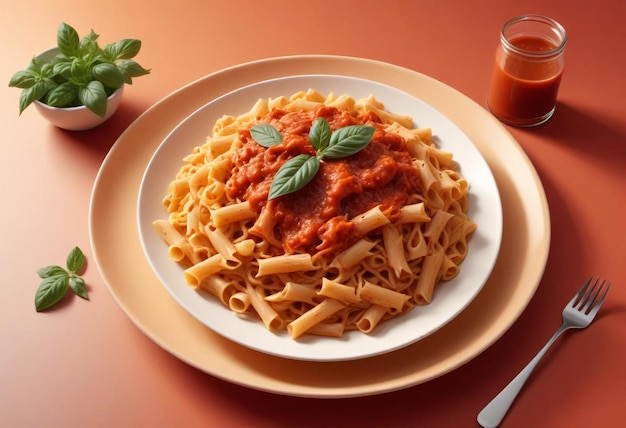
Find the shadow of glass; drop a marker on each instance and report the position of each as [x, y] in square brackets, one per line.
[602, 138]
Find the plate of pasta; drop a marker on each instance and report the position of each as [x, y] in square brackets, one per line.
[381, 248]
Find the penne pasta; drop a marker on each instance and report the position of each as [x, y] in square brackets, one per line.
[370, 220]
[382, 296]
[394, 246]
[339, 292]
[354, 254]
[268, 315]
[232, 213]
[370, 318]
[367, 239]
[313, 317]
[293, 292]
[219, 287]
[285, 264]
[195, 274]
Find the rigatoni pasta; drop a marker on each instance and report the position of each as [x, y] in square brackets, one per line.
[367, 240]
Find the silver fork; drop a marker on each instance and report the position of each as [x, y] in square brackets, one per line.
[578, 313]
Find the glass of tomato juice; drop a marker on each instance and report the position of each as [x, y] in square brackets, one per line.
[527, 72]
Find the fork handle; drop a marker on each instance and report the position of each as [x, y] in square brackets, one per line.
[494, 412]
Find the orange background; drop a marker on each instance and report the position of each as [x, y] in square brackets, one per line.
[86, 364]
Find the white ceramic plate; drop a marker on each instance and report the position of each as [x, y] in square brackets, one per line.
[450, 297]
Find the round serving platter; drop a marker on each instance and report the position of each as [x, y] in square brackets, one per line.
[124, 267]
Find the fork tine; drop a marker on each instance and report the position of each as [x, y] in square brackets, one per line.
[580, 296]
[597, 305]
[590, 296]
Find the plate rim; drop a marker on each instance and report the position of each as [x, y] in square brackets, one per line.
[342, 65]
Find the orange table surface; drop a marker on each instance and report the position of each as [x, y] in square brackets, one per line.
[86, 364]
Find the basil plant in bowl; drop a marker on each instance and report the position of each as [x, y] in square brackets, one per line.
[77, 85]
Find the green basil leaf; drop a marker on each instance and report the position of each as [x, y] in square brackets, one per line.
[94, 97]
[35, 65]
[68, 40]
[77, 284]
[35, 92]
[348, 141]
[293, 175]
[124, 49]
[47, 71]
[63, 69]
[320, 134]
[63, 95]
[130, 69]
[79, 70]
[51, 270]
[75, 260]
[109, 75]
[88, 45]
[266, 135]
[23, 79]
[51, 291]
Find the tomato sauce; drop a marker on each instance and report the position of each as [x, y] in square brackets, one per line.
[524, 90]
[316, 217]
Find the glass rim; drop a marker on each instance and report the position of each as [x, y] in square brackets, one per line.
[555, 26]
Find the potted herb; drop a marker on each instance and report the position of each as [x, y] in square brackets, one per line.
[78, 81]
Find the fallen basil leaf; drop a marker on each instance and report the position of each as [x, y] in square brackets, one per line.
[51, 291]
[51, 270]
[75, 260]
[57, 280]
[77, 284]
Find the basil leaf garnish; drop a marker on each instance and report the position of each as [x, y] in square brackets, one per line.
[348, 141]
[293, 175]
[320, 134]
[266, 135]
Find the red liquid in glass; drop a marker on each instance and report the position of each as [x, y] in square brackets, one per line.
[522, 89]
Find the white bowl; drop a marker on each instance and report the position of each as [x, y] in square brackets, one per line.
[79, 118]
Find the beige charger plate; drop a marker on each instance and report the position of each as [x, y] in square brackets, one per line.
[121, 261]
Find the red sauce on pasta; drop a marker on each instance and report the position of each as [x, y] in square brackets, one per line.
[316, 217]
